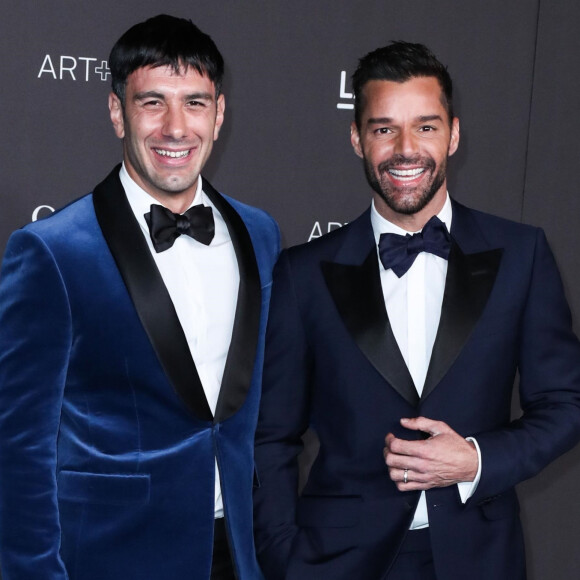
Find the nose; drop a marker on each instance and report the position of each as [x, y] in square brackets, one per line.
[174, 124]
[406, 143]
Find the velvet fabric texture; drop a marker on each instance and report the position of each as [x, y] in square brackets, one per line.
[332, 363]
[106, 459]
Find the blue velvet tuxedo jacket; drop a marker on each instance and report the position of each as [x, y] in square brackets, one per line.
[107, 442]
[332, 363]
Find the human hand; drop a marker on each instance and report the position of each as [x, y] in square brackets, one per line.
[444, 459]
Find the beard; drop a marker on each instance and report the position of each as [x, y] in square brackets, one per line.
[406, 200]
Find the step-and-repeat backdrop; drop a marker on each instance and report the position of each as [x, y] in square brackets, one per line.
[285, 144]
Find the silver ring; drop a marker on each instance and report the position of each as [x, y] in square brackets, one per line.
[405, 473]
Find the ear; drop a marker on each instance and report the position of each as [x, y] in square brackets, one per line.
[116, 114]
[355, 140]
[219, 118]
[454, 140]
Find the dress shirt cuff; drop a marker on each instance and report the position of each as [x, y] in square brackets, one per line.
[467, 488]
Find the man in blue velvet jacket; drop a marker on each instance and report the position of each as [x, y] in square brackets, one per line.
[402, 349]
[131, 346]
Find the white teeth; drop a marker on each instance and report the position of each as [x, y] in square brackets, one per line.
[173, 154]
[407, 173]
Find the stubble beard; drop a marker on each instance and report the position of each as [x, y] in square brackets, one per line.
[405, 200]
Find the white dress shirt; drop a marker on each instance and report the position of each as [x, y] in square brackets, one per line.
[413, 304]
[202, 282]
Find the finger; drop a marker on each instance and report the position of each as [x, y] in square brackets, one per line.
[418, 467]
[400, 461]
[426, 425]
[388, 439]
[407, 479]
[413, 486]
[407, 448]
[400, 475]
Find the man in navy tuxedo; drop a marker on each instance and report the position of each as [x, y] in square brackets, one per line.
[131, 347]
[397, 339]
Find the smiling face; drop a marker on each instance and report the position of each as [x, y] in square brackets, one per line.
[404, 140]
[168, 126]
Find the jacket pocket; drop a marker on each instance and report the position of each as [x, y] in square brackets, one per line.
[500, 506]
[103, 488]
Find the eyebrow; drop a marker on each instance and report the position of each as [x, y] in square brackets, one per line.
[388, 120]
[379, 120]
[147, 95]
[427, 118]
[200, 96]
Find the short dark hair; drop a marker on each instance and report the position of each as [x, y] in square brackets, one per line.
[399, 62]
[164, 41]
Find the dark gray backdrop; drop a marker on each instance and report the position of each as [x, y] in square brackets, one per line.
[285, 145]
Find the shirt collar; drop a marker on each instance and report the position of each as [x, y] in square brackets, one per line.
[383, 226]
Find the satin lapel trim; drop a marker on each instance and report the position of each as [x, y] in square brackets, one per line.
[357, 293]
[239, 369]
[470, 279]
[148, 292]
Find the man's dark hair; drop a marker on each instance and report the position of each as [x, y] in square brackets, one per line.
[399, 62]
[165, 41]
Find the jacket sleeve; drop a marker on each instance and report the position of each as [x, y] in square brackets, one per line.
[282, 421]
[35, 342]
[549, 368]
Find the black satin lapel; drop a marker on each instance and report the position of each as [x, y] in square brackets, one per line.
[148, 292]
[470, 279]
[357, 293]
[241, 357]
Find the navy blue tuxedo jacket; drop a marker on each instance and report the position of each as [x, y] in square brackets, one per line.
[332, 363]
[107, 442]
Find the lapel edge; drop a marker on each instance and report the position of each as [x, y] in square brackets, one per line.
[470, 280]
[148, 292]
[357, 293]
[240, 361]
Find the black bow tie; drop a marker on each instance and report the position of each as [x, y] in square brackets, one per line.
[165, 226]
[399, 252]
